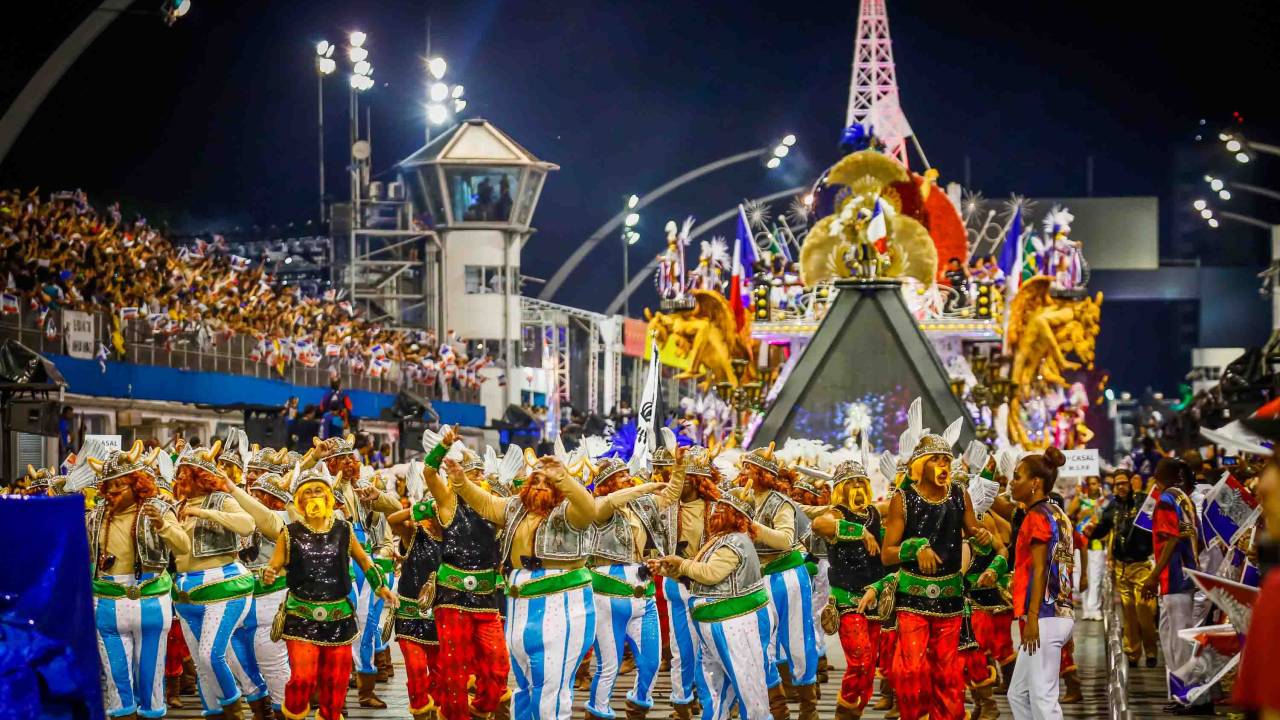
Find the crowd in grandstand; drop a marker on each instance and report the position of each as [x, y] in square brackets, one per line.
[61, 252]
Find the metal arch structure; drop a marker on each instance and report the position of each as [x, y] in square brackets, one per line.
[873, 87]
[579, 253]
[638, 278]
[604, 344]
[45, 78]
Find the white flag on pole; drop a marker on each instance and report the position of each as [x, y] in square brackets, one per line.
[646, 433]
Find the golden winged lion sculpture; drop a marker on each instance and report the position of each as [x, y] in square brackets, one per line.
[1043, 332]
[704, 339]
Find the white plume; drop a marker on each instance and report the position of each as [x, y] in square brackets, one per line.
[490, 461]
[668, 438]
[414, 486]
[888, 466]
[952, 433]
[975, 456]
[511, 465]
[594, 446]
[982, 493]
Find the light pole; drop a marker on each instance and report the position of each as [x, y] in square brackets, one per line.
[440, 95]
[325, 64]
[629, 237]
[599, 234]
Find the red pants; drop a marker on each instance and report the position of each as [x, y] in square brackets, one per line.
[860, 639]
[994, 632]
[1068, 662]
[175, 652]
[322, 668]
[471, 643]
[888, 642]
[977, 670]
[926, 670]
[423, 674]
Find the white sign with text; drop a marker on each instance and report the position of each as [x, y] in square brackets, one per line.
[110, 442]
[1081, 462]
[78, 329]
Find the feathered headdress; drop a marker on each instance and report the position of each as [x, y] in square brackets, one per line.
[122, 462]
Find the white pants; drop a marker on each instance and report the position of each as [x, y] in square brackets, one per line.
[131, 644]
[1093, 596]
[368, 621]
[623, 621]
[731, 667]
[547, 637]
[794, 638]
[1177, 612]
[685, 661]
[821, 590]
[209, 630]
[271, 658]
[1033, 689]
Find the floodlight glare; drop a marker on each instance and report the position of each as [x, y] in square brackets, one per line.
[436, 66]
[322, 48]
[1216, 184]
[789, 140]
[356, 39]
[773, 163]
[633, 201]
[1199, 204]
[437, 114]
[1233, 145]
[632, 220]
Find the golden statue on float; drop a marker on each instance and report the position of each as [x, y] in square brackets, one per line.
[1043, 331]
[703, 341]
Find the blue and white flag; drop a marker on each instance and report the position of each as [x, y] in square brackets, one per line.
[1230, 509]
[1010, 261]
[1147, 513]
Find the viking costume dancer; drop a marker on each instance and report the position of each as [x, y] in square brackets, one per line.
[814, 492]
[852, 529]
[466, 601]
[318, 618]
[131, 534]
[550, 619]
[267, 503]
[730, 609]
[213, 591]
[415, 625]
[687, 521]
[780, 530]
[365, 506]
[923, 533]
[626, 612]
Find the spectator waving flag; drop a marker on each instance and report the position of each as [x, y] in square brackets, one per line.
[9, 303]
[1146, 514]
[1230, 509]
[128, 313]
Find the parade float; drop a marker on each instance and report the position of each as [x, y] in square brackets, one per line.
[880, 285]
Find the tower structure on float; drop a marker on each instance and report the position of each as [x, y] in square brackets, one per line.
[873, 86]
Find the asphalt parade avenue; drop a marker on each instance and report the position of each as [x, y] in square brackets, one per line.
[1145, 688]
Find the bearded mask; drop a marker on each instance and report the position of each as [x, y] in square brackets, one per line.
[854, 494]
[316, 508]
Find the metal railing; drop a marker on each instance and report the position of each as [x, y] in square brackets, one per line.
[1113, 650]
[230, 354]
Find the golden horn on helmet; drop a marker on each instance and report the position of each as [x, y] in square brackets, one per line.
[213, 452]
[530, 457]
[315, 441]
[95, 463]
[351, 438]
[255, 447]
[150, 459]
[281, 456]
[31, 470]
[135, 452]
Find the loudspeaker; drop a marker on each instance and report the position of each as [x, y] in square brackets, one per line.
[411, 429]
[266, 430]
[34, 417]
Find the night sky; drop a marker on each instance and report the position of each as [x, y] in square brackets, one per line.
[212, 123]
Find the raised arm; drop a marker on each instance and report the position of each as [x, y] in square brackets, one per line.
[609, 504]
[489, 506]
[674, 489]
[582, 510]
[446, 501]
[266, 520]
[231, 517]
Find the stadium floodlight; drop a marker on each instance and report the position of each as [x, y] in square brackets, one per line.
[632, 220]
[1233, 145]
[326, 65]
[1214, 183]
[437, 114]
[1242, 157]
[323, 48]
[1213, 222]
[1206, 213]
[363, 68]
[781, 151]
[1199, 204]
[356, 39]
[1224, 194]
[357, 54]
[436, 66]
[459, 105]
[457, 91]
[438, 92]
[773, 163]
[633, 201]
[789, 140]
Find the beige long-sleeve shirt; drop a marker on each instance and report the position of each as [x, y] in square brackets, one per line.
[712, 569]
[118, 540]
[264, 518]
[780, 538]
[231, 516]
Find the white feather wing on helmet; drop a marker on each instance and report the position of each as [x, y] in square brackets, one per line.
[952, 433]
[982, 493]
[976, 455]
[511, 465]
[414, 485]
[888, 466]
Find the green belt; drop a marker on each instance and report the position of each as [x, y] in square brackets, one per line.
[551, 585]
[158, 585]
[721, 610]
[409, 610]
[613, 587]
[844, 597]
[948, 586]
[795, 558]
[260, 589]
[319, 611]
[226, 589]
[388, 565]
[481, 582]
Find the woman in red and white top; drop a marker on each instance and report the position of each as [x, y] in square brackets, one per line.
[1041, 588]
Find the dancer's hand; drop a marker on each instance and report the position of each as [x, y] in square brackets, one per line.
[668, 566]
[152, 513]
[368, 493]
[269, 574]
[869, 541]
[983, 537]
[928, 560]
[193, 512]
[868, 599]
[987, 579]
[393, 600]
[453, 471]
[1031, 635]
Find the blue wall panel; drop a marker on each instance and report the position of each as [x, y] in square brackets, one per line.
[152, 382]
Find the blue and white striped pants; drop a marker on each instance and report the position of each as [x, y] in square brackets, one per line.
[210, 631]
[368, 616]
[132, 636]
[685, 659]
[547, 638]
[731, 668]
[270, 658]
[794, 638]
[622, 621]
[821, 590]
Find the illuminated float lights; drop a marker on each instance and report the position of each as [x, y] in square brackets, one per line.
[966, 328]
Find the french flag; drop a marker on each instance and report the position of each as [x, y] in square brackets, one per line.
[744, 261]
[878, 227]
